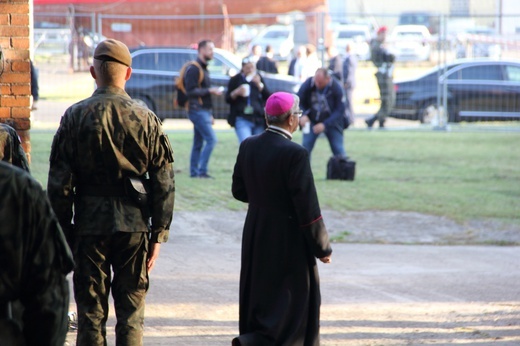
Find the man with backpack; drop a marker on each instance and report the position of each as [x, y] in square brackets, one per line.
[199, 105]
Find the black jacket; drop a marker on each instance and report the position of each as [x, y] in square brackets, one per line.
[198, 97]
[267, 64]
[257, 99]
[331, 112]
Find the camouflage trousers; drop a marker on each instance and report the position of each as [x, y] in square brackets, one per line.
[387, 94]
[96, 257]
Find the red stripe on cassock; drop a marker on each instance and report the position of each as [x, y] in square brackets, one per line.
[313, 221]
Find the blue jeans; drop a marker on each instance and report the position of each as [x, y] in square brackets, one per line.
[334, 135]
[203, 132]
[245, 128]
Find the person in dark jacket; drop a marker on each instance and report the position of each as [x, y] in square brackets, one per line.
[246, 95]
[283, 234]
[323, 105]
[267, 63]
[200, 111]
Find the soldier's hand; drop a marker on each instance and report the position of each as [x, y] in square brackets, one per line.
[153, 254]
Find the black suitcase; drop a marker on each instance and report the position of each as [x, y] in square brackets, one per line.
[341, 168]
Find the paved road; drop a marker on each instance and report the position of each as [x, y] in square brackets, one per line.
[372, 294]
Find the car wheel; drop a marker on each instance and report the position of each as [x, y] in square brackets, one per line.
[428, 112]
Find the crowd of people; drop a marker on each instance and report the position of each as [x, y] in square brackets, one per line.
[109, 206]
[111, 190]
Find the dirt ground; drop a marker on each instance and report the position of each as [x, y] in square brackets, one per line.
[396, 279]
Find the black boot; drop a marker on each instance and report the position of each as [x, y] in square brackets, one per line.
[370, 121]
[382, 124]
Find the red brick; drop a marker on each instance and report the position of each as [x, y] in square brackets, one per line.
[20, 89]
[15, 101]
[5, 89]
[20, 54]
[21, 112]
[21, 66]
[5, 42]
[14, 31]
[20, 19]
[20, 42]
[20, 7]
[4, 111]
[16, 77]
[4, 19]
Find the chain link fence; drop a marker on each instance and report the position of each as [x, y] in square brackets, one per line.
[70, 38]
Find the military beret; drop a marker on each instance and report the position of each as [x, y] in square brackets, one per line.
[113, 50]
[279, 103]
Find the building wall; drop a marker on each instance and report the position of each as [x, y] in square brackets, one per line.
[387, 12]
[15, 88]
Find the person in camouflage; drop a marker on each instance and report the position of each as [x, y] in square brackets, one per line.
[11, 150]
[101, 142]
[35, 261]
[384, 61]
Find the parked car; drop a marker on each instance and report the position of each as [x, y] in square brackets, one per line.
[156, 69]
[358, 36]
[477, 90]
[428, 19]
[410, 43]
[279, 37]
[482, 42]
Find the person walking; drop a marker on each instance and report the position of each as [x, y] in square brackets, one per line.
[323, 106]
[246, 95]
[199, 111]
[35, 257]
[384, 61]
[283, 234]
[110, 170]
[349, 80]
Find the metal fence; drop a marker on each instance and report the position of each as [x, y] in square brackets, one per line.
[71, 38]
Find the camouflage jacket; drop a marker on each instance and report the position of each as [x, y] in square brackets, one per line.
[100, 141]
[11, 150]
[35, 259]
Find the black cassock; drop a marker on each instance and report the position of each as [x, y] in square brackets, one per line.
[283, 235]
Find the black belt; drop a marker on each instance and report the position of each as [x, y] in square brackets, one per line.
[117, 190]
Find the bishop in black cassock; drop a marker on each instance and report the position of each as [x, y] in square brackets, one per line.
[283, 234]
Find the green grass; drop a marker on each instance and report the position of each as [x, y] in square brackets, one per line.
[462, 176]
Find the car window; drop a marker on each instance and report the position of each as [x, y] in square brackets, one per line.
[350, 34]
[486, 72]
[277, 34]
[218, 67]
[513, 73]
[172, 61]
[144, 61]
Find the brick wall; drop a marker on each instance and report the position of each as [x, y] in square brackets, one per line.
[15, 87]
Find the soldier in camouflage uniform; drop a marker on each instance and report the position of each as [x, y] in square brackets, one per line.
[384, 61]
[101, 142]
[11, 150]
[35, 260]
